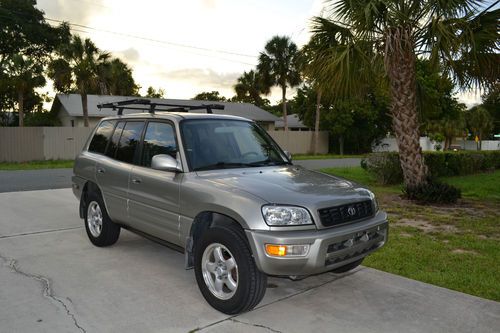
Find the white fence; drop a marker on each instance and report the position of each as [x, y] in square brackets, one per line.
[389, 144]
[20, 144]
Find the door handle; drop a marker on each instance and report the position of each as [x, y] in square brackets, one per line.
[136, 180]
[101, 170]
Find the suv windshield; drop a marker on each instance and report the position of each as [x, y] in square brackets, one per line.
[222, 144]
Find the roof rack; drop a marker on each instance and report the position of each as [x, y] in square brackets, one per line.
[152, 107]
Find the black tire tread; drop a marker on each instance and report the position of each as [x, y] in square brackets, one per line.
[110, 230]
[258, 280]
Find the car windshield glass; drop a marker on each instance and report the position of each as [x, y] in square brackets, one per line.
[223, 144]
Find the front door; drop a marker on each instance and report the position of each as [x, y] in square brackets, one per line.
[154, 194]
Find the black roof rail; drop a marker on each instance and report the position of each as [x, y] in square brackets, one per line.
[152, 107]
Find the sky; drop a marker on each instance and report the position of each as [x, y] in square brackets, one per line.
[190, 46]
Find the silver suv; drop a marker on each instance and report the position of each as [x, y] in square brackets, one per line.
[219, 189]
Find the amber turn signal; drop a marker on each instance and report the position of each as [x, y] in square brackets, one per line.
[276, 250]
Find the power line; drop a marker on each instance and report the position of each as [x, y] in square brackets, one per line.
[191, 52]
[71, 24]
[152, 39]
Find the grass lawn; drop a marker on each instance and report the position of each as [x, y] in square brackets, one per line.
[52, 164]
[322, 157]
[452, 246]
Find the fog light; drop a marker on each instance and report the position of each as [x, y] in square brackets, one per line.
[277, 250]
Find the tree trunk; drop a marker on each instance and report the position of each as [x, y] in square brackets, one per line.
[85, 109]
[20, 102]
[400, 66]
[283, 100]
[316, 122]
[341, 144]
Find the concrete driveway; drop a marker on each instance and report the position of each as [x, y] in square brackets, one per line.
[53, 280]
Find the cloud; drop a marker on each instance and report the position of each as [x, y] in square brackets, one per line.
[207, 78]
[130, 54]
[72, 11]
[209, 4]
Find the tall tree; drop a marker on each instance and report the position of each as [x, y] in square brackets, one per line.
[328, 37]
[23, 30]
[479, 122]
[491, 102]
[117, 78]
[249, 88]
[210, 96]
[79, 68]
[24, 75]
[458, 35]
[278, 67]
[155, 93]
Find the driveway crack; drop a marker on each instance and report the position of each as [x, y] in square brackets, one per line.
[255, 325]
[47, 290]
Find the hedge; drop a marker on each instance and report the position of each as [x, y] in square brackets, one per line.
[387, 170]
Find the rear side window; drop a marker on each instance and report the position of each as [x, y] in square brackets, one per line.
[159, 139]
[129, 141]
[113, 143]
[101, 137]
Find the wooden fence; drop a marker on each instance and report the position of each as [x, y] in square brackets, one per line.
[41, 143]
[54, 143]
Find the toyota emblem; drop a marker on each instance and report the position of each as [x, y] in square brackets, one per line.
[351, 211]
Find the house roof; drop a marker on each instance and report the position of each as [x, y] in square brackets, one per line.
[72, 104]
[292, 120]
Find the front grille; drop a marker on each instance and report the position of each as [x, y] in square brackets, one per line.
[355, 245]
[332, 216]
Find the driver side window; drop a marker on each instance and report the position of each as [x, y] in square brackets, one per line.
[158, 139]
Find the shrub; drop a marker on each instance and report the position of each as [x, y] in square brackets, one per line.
[385, 167]
[433, 192]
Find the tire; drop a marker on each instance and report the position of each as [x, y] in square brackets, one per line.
[100, 230]
[250, 282]
[348, 267]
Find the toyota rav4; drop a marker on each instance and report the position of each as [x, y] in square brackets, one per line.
[219, 189]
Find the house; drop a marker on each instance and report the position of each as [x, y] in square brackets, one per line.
[69, 109]
[293, 122]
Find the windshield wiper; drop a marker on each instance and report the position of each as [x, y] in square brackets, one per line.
[223, 165]
[267, 162]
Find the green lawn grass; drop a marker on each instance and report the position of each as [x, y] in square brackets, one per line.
[322, 156]
[454, 246]
[34, 165]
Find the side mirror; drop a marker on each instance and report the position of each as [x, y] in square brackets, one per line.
[165, 163]
[288, 154]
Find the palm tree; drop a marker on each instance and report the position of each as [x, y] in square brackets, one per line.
[327, 37]
[456, 35]
[79, 68]
[479, 123]
[117, 78]
[25, 75]
[278, 66]
[249, 87]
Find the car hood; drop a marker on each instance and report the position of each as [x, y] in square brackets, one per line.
[290, 185]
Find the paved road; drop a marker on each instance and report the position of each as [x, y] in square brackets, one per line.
[329, 163]
[28, 180]
[53, 280]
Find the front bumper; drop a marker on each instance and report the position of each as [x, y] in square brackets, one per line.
[328, 248]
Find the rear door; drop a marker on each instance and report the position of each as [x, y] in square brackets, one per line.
[154, 194]
[113, 169]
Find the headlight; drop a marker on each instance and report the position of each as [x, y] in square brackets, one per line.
[374, 200]
[286, 215]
